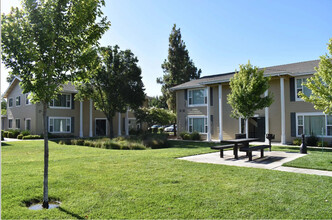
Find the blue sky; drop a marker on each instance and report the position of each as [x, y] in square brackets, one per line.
[219, 35]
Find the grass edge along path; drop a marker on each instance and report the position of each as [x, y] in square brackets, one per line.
[100, 183]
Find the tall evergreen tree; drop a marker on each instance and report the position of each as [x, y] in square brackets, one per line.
[178, 68]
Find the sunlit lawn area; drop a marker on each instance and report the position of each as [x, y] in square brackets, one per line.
[101, 183]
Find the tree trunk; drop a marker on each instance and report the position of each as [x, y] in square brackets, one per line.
[110, 124]
[45, 193]
[174, 129]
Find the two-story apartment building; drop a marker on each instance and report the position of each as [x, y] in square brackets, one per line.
[66, 116]
[202, 106]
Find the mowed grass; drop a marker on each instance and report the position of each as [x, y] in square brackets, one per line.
[317, 158]
[100, 183]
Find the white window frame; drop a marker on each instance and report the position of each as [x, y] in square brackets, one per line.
[311, 114]
[138, 125]
[96, 125]
[27, 99]
[296, 92]
[58, 132]
[16, 123]
[16, 101]
[25, 123]
[190, 97]
[12, 102]
[197, 116]
[10, 119]
[61, 107]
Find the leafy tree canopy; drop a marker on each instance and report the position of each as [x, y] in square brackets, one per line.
[320, 84]
[158, 102]
[44, 43]
[178, 68]
[247, 89]
[114, 82]
[155, 115]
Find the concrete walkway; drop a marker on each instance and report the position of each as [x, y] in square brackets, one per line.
[272, 160]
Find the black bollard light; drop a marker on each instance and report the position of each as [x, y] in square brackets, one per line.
[303, 148]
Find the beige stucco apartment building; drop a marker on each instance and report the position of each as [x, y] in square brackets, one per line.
[202, 106]
[66, 116]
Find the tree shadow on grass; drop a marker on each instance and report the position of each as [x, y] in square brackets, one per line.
[71, 213]
[188, 144]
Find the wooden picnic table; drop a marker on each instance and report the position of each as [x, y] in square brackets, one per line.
[244, 141]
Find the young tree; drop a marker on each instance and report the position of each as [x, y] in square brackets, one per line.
[178, 68]
[114, 83]
[247, 89]
[3, 107]
[320, 84]
[44, 43]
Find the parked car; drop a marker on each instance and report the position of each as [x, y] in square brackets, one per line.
[170, 128]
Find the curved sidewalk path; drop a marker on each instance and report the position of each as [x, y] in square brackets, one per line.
[272, 160]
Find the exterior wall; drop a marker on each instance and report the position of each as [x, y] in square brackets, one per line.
[34, 112]
[21, 112]
[231, 125]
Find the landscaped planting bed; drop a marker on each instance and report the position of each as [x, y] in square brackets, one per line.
[98, 183]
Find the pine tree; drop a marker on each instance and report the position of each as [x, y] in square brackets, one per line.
[178, 68]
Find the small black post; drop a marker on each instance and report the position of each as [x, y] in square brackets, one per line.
[303, 148]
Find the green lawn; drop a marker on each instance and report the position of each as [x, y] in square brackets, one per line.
[316, 158]
[99, 183]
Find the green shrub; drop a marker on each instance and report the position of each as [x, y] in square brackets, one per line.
[186, 137]
[137, 146]
[20, 136]
[25, 132]
[5, 134]
[112, 145]
[14, 133]
[10, 134]
[31, 137]
[136, 132]
[161, 130]
[195, 136]
[155, 141]
[65, 142]
[312, 140]
[182, 134]
[120, 138]
[322, 144]
[79, 142]
[297, 141]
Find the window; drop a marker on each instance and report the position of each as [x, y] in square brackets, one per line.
[133, 124]
[27, 100]
[28, 124]
[198, 124]
[10, 102]
[59, 125]
[18, 100]
[316, 124]
[18, 123]
[63, 101]
[197, 97]
[10, 123]
[301, 88]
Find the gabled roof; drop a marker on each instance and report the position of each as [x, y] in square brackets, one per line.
[69, 87]
[11, 86]
[292, 69]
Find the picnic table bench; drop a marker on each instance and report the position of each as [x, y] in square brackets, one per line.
[221, 148]
[242, 144]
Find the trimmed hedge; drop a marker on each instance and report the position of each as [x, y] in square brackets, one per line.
[31, 137]
[193, 136]
[20, 136]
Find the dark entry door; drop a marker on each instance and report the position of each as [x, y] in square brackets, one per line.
[257, 128]
[100, 127]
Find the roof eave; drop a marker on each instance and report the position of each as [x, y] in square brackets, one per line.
[5, 94]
